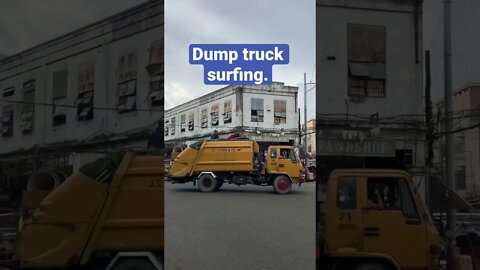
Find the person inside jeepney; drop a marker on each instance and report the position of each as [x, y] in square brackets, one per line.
[375, 200]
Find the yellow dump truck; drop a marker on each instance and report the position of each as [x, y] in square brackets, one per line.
[373, 219]
[108, 215]
[209, 164]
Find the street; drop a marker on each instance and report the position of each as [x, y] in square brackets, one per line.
[246, 227]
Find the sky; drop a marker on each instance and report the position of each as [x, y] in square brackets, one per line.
[228, 22]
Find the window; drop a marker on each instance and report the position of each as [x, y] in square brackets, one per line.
[366, 61]
[388, 190]
[408, 204]
[172, 131]
[10, 91]
[214, 115]
[347, 193]
[127, 82]
[273, 153]
[460, 178]
[191, 121]
[204, 118]
[59, 94]
[183, 125]
[287, 153]
[227, 112]
[6, 127]
[86, 81]
[280, 111]
[156, 94]
[28, 108]
[166, 129]
[257, 110]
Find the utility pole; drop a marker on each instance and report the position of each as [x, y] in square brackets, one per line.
[449, 160]
[305, 112]
[450, 165]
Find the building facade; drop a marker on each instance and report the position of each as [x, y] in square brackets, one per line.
[466, 120]
[265, 113]
[369, 85]
[97, 89]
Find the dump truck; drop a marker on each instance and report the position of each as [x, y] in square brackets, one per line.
[107, 215]
[374, 219]
[210, 164]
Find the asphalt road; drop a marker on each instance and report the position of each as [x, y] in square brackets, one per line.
[246, 227]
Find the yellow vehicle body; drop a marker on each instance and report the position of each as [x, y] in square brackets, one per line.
[398, 236]
[235, 162]
[85, 216]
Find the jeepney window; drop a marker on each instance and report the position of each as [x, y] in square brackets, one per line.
[347, 193]
[408, 204]
[273, 153]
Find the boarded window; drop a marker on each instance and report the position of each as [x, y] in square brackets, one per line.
[28, 108]
[227, 112]
[10, 91]
[214, 115]
[172, 130]
[280, 111]
[191, 121]
[183, 124]
[156, 94]
[156, 51]
[84, 101]
[60, 84]
[127, 91]
[127, 66]
[204, 118]
[6, 127]
[257, 112]
[366, 61]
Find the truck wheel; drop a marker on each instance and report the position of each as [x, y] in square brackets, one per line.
[134, 264]
[206, 183]
[282, 185]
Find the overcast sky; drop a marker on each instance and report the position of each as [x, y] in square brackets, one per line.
[232, 21]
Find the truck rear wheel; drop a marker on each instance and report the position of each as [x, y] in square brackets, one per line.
[282, 185]
[207, 183]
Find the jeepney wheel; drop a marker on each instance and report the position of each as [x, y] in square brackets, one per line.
[207, 183]
[282, 185]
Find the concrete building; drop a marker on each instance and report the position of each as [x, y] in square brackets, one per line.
[311, 137]
[369, 85]
[94, 90]
[466, 108]
[265, 113]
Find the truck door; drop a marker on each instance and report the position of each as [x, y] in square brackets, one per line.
[272, 160]
[343, 215]
[288, 162]
[392, 223]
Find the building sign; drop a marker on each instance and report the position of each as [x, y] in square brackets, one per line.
[356, 148]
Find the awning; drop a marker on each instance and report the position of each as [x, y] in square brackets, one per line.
[442, 197]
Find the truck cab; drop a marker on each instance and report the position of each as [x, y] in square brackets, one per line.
[374, 219]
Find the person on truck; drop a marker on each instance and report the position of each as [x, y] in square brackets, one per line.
[375, 200]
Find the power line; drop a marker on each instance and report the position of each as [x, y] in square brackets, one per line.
[73, 106]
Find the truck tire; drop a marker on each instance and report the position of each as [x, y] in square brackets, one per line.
[134, 264]
[282, 185]
[207, 183]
